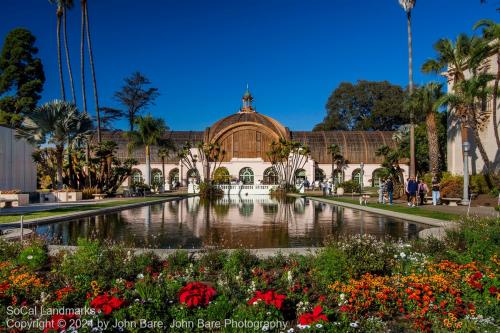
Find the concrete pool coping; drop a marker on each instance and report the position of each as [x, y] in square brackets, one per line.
[87, 213]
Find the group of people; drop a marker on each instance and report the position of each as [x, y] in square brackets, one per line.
[414, 188]
[416, 191]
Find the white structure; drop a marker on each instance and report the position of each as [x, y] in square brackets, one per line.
[246, 137]
[17, 169]
[487, 134]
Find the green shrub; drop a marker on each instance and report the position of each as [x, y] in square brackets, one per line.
[350, 186]
[478, 184]
[34, 256]
[9, 250]
[331, 264]
[452, 187]
[239, 263]
[210, 191]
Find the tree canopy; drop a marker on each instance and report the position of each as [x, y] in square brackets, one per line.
[365, 105]
[21, 76]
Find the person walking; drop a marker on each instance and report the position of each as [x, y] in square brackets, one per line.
[389, 187]
[381, 189]
[407, 192]
[422, 191]
[435, 191]
[412, 191]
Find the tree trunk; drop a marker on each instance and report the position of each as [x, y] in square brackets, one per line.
[92, 71]
[59, 60]
[68, 61]
[410, 87]
[163, 170]
[148, 166]
[70, 167]
[82, 58]
[433, 142]
[495, 106]
[59, 160]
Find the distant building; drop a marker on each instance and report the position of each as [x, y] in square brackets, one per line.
[246, 136]
[17, 169]
[487, 134]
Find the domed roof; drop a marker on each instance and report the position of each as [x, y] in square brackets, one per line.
[246, 118]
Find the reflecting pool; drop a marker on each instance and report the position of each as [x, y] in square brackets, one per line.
[259, 222]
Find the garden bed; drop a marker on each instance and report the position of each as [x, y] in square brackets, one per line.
[357, 284]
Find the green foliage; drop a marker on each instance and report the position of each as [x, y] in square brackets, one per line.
[221, 176]
[34, 256]
[366, 105]
[478, 184]
[210, 191]
[9, 250]
[331, 264]
[350, 186]
[239, 262]
[21, 77]
[452, 186]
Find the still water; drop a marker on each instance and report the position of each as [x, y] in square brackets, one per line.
[259, 222]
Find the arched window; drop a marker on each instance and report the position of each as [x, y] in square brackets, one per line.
[156, 176]
[270, 176]
[377, 176]
[300, 175]
[137, 177]
[221, 176]
[193, 173]
[356, 175]
[173, 175]
[319, 174]
[246, 176]
[338, 176]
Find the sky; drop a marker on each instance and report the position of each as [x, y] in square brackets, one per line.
[201, 54]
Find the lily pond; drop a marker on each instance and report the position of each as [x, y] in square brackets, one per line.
[231, 222]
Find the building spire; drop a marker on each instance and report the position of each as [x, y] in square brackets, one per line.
[247, 101]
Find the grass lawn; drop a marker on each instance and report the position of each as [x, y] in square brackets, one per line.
[398, 208]
[77, 208]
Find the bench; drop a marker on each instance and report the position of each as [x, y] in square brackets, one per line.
[8, 202]
[99, 196]
[452, 201]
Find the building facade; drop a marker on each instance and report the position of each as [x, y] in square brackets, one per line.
[17, 169]
[246, 137]
[455, 156]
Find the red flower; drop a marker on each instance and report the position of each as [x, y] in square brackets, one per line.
[493, 290]
[63, 292]
[106, 304]
[196, 294]
[269, 297]
[129, 284]
[315, 316]
[59, 322]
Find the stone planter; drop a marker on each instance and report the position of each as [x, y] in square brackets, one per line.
[23, 199]
[60, 196]
[340, 191]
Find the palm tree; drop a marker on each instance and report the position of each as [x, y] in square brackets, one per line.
[337, 158]
[67, 5]
[82, 57]
[57, 123]
[59, 14]
[149, 132]
[92, 69]
[468, 100]
[424, 101]
[491, 33]
[164, 150]
[408, 6]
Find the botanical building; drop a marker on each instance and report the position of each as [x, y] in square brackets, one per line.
[246, 136]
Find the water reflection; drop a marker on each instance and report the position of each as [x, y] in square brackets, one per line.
[230, 222]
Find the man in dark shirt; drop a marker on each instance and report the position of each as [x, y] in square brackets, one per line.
[412, 190]
[389, 187]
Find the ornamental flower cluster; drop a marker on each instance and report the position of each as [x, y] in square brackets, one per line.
[196, 294]
[313, 317]
[269, 297]
[59, 323]
[106, 304]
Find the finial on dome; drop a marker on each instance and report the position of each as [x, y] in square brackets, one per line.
[247, 101]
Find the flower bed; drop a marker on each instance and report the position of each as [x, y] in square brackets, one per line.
[358, 284]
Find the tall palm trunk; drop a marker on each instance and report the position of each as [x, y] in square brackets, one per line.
[68, 61]
[434, 156]
[495, 106]
[82, 58]
[410, 87]
[59, 161]
[148, 166]
[92, 70]
[59, 60]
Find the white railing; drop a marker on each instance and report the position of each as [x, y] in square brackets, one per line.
[244, 190]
